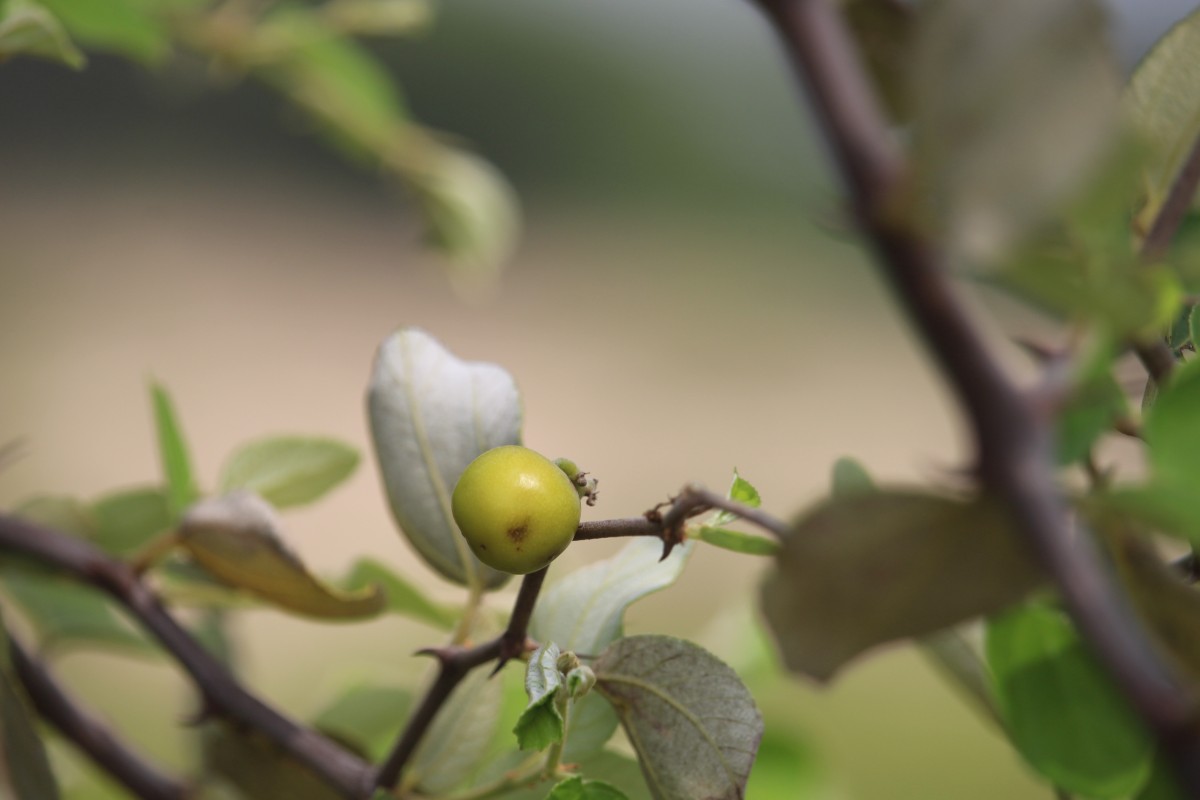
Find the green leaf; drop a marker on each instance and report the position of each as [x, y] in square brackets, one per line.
[884, 31]
[742, 492]
[471, 213]
[64, 612]
[458, 738]
[25, 772]
[1165, 109]
[289, 470]
[336, 79]
[576, 788]
[27, 28]
[237, 539]
[367, 716]
[131, 28]
[173, 453]
[737, 541]
[431, 414]
[1094, 405]
[1172, 427]
[850, 478]
[60, 512]
[583, 613]
[785, 768]
[259, 769]
[658, 683]
[1062, 712]
[868, 569]
[378, 17]
[127, 520]
[541, 724]
[1014, 103]
[1162, 784]
[402, 597]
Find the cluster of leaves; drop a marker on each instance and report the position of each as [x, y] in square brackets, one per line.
[431, 414]
[315, 57]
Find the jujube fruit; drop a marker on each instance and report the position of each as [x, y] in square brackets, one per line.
[517, 510]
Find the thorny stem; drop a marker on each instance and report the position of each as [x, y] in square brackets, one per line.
[1013, 440]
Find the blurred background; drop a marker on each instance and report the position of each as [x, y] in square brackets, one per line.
[676, 308]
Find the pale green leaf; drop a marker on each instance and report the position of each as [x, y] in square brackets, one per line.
[737, 541]
[237, 538]
[367, 716]
[60, 512]
[868, 569]
[541, 724]
[431, 414]
[127, 520]
[658, 683]
[173, 453]
[65, 612]
[1165, 108]
[402, 597]
[289, 470]
[28, 28]
[1061, 710]
[378, 17]
[1172, 427]
[576, 788]
[1014, 104]
[131, 28]
[25, 772]
[583, 613]
[457, 740]
[850, 478]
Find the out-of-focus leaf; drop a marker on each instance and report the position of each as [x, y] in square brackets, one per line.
[402, 596]
[850, 478]
[431, 414]
[65, 613]
[658, 683]
[1014, 103]
[336, 79]
[742, 492]
[785, 768]
[237, 539]
[1172, 427]
[583, 613]
[1165, 107]
[258, 769]
[873, 568]
[884, 30]
[1095, 404]
[131, 28]
[458, 738]
[127, 520]
[471, 212]
[25, 772]
[737, 541]
[1063, 714]
[60, 512]
[28, 28]
[541, 724]
[378, 17]
[576, 788]
[173, 453]
[366, 716]
[1161, 785]
[289, 470]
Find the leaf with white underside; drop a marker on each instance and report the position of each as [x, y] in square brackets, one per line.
[24, 768]
[458, 738]
[431, 414]
[541, 724]
[866, 569]
[661, 684]
[1165, 108]
[583, 613]
[289, 470]
[238, 539]
[1014, 105]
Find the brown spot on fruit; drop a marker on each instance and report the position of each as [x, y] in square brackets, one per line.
[517, 533]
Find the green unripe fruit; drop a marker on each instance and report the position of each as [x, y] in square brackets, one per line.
[517, 510]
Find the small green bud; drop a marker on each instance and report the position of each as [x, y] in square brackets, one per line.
[580, 681]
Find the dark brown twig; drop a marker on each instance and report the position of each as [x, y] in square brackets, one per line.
[89, 734]
[1014, 442]
[349, 775]
[454, 663]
